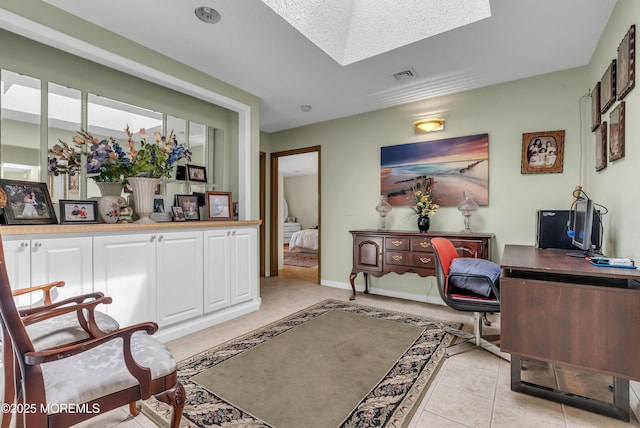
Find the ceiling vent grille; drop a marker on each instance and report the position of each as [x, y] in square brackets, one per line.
[403, 75]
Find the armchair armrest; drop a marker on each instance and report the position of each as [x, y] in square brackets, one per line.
[46, 288]
[76, 299]
[142, 374]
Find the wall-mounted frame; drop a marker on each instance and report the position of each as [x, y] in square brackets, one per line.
[608, 88]
[27, 202]
[625, 76]
[616, 132]
[446, 164]
[219, 206]
[542, 152]
[596, 117]
[189, 205]
[197, 173]
[601, 147]
[73, 211]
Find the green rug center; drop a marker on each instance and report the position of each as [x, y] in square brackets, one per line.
[314, 374]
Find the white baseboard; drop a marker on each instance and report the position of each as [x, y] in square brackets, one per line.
[386, 292]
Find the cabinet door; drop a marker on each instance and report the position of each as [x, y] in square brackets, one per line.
[17, 258]
[243, 261]
[179, 274]
[367, 253]
[216, 270]
[63, 259]
[125, 269]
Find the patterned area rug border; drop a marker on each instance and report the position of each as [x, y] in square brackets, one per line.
[389, 404]
[301, 259]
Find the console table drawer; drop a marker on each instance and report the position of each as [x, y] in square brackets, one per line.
[418, 260]
[397, 258]
[421, 244]
[397, 244]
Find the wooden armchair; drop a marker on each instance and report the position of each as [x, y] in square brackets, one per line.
[66, 384]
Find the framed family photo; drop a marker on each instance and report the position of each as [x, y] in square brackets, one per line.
[72, 211]
[219, 206]
[608, 88]
[542, 152]
[601, 147]
[189, 205]
[178, 214]
[616, 132]
[27, 202]
[625, 77]
[197, 173]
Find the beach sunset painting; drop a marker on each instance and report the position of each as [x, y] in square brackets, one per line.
[451, 166]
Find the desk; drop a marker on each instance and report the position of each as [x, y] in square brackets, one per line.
[379, 252]
[564, 310]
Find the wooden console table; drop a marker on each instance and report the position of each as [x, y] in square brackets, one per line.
[564, 310]
[379, 252]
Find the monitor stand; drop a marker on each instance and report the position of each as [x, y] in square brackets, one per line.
[581, 255]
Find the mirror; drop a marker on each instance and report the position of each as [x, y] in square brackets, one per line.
[20, 124]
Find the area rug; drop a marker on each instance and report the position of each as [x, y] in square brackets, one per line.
[334, 364]
[302, 259]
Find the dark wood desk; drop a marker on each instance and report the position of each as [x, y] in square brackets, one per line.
[565, 310]
[379, 252]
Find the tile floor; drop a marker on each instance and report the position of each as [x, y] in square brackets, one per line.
[470, 390]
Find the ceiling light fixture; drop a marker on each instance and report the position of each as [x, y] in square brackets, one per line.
[305, 108]
[208, 14]
[428, 125]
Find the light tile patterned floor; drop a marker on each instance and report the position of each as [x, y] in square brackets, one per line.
[470, 390]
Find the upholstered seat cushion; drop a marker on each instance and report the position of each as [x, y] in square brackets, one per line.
[101, 371]
[65, 329]
[473, 266]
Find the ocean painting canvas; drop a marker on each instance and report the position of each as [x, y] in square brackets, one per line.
[450, 166]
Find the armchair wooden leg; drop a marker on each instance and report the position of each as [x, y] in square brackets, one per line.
[134, 408]
[175, 398]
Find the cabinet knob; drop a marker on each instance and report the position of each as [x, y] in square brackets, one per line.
[24, 244]
[396, 243]
[425, 260]
[153, 238]
[37, 245]
[425, 244]
[396, 258]
[161, 237]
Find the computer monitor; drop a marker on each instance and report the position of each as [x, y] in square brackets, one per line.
[582, 225]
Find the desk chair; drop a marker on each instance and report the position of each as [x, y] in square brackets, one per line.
[485, 298]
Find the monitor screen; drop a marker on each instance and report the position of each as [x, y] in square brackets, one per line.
[582, 224]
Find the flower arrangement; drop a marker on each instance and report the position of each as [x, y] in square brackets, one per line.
[423, 198]
[154, 159]
[106, 160]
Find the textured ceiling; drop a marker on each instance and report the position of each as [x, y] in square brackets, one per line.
[256, 50]
[352, 30]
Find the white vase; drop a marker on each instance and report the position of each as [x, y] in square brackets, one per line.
[110, 188]
[144, 190]
[109, 208]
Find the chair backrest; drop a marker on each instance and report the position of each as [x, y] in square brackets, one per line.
[445, 252]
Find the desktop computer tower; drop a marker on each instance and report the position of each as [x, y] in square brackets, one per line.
[551, 231]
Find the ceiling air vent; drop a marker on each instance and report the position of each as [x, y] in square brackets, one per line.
[403, 75]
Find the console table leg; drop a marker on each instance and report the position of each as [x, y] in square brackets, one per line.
[352, 278]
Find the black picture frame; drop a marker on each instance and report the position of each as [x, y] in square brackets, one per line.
[608, 88]
[196, 173]
[178, 214]
[626, 74]
[219, 206]
[76, 211]
[189, 205]
[26, 202]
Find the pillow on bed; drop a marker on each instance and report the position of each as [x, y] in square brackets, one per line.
[469, 265]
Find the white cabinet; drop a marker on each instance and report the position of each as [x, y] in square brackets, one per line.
[125, 269]
[179, 276]
[32, 262]
[288, 229]
[230, 272]
[156, 276]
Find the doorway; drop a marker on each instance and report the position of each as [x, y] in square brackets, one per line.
[295, 167]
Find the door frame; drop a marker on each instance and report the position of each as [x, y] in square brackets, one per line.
[274, 230]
